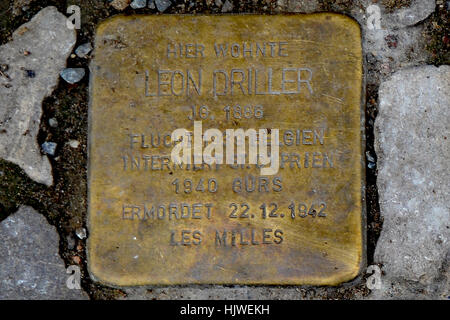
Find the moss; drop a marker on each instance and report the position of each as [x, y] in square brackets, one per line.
[337, 5]
[392, 5]
[15, 186]
[437, 37]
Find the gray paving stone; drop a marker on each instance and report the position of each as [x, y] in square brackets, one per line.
[42, 45]
[30, 267]
[418, 10]
[412, 138]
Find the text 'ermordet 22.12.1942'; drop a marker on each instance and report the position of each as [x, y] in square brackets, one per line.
[226, 150]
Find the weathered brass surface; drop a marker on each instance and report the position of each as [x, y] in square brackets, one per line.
[316, 108]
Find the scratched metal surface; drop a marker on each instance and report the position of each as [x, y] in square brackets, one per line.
[128, 247]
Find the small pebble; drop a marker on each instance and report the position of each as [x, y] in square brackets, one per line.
[74, 143]
[227, 6]
[81, 233]
[120, 4]
[73, 55]
[162, 5]
[83, 50]
[151, 4]
[371, 165]
[49, 148]
[70, 242]
[76, 259]
[138, 4]
[53, 122]
[72, 75]
[369, 157]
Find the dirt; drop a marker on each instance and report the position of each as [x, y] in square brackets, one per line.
[392, 5]
[437, 36]
[64, 204]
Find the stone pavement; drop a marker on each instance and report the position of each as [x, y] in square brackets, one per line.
[411, 143]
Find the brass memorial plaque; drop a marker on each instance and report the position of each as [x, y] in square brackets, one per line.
[294, 218]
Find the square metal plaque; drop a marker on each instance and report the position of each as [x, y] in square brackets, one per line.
[153, 221]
